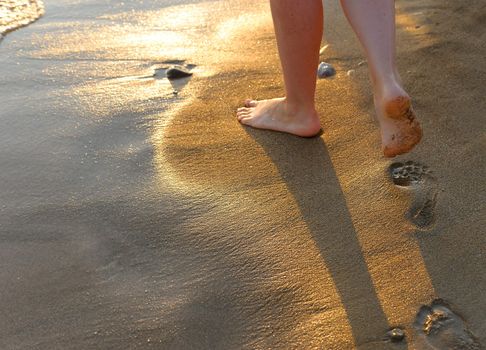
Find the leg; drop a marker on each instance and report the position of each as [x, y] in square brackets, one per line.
[374, 23]
[298, 28]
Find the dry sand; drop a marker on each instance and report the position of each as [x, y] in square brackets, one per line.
[217, 236]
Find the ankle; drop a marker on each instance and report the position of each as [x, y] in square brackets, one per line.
[295, 106]
[385, 91]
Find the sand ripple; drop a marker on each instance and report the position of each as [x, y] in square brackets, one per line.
[18, 13]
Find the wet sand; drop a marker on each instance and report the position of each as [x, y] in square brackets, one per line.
[136, 218]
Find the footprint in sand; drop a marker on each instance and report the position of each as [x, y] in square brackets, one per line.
[438, 327]
[418, 178]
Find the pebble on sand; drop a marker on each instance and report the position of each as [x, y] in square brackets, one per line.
[325, 70]
[396, 335]
[177, 72]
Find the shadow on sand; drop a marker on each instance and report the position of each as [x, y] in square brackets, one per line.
[307, 169]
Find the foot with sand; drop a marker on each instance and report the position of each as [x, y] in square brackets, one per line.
[298, 41]
[280, 115]
[399, 127]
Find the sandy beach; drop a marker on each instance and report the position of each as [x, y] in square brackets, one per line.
[136, 212]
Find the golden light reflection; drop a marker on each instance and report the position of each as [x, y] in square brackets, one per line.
[197, 142]
[415, 23]
[245, 26]
[118, 95]
[198, 145]
[219, 31]
[168, 42]
[123, 57]
[391, 251]
[392, 256]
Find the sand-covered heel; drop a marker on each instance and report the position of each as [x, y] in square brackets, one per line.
[400, 108]
[401, 129]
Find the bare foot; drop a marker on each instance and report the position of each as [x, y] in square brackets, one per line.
[277, 114]
[400, 129]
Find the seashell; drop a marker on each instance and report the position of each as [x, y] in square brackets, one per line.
[324, 48]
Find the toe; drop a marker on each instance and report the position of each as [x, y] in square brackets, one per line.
[243, 110]
[243, 114]
[246, 120]
[250, 103]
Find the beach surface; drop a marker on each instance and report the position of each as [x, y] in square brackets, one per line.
[135, 212]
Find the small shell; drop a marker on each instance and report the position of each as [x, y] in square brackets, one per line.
[324, 48]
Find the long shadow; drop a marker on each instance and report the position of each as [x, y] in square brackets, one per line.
[306, 168]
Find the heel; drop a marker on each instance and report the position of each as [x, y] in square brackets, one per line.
[400, 108]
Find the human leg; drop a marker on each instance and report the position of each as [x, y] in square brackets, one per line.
[298, 29]
[374, 23]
